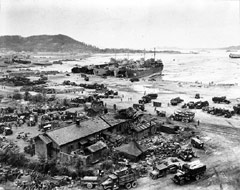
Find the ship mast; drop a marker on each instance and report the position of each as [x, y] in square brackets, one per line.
[154, 53]
[144, 54]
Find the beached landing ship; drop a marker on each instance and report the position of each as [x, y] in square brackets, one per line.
[123, 68]
[234, 55]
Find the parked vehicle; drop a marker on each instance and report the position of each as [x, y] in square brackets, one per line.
[7, 131]
[90, 181]
[139, 107]
[197, 96]
[161, 113]
[157, 104]
[237, 109]
[190, 172]
[122, 178]
[221, 99]
[134, 79]
[86, 78]
[167, 166]
[186, 154]
[176, 101]
[197, 143]
[145, 100]
[153, 96]
[183, 115]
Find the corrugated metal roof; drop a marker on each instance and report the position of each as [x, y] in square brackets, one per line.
[73, 132]
[142, 127]
[97, 146]
[111, 120]
[45, 139]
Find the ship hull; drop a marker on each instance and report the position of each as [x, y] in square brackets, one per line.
[234, 56]
[145, 73]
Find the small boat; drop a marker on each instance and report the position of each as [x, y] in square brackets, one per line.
[42, 63]
[233, 55]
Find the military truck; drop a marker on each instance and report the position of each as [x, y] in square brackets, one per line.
[237, 109]
[139, 107]
[121, 178]
[90, 181]
[167, 166]
[161, 113]
[145, 100]
[197, 96]
[134, 80]
[152, 96]
[7, 131]
[186, 154]
[189, 172]
[86, 78]
[221, 99]
[176, 101]
[197, 143]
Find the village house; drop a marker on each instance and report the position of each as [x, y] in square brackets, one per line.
[144, 129]
[118, 128]
[132, 150]
[65, 140]
[117, 125]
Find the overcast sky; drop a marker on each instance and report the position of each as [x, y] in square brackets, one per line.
[127, 23]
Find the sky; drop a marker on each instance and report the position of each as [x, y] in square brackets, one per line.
[135, 24]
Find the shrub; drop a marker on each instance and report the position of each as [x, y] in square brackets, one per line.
[17, 96]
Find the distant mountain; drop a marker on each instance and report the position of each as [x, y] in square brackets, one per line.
[232, 48]
[44, 43]
[59, 43]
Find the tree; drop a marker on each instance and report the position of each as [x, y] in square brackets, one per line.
[17, 96]
[65, 102]
[38, 98]
[27, 96]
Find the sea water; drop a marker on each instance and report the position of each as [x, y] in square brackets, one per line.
[206, 66]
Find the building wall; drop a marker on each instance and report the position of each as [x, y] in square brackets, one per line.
[40, 148]
[99, 71]
[68, 148]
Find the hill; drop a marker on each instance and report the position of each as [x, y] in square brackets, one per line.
[232, 48]
[44, 43]
[59, 43]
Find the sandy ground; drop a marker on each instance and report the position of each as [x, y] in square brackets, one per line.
[221, 135]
